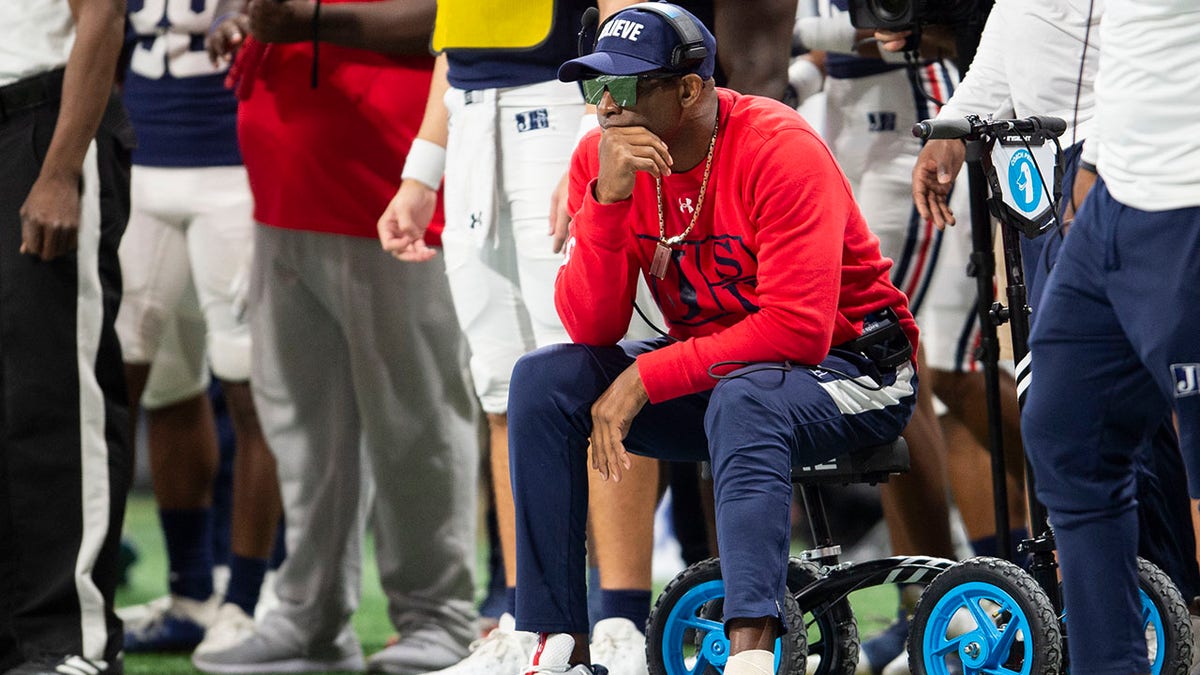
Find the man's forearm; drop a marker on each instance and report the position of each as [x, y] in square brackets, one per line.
[397, 27]
[91, 66]
[435, 125]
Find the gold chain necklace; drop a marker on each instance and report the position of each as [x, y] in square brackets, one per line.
[662, 248]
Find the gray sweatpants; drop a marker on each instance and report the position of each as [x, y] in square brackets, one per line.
[359, 370]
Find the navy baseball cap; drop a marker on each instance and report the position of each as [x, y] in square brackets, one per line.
[637, 40]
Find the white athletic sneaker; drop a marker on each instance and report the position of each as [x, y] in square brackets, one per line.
[421, 650]
[177, 625]
[268, 652]
[135, 613]
[618, 645]
[229, 628]
[552, 654]
[898, 666]
[503, 652]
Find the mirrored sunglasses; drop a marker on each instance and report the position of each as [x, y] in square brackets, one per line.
[622, 88]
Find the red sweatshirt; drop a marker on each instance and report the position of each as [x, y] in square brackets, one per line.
[780, 265]
[328, 159]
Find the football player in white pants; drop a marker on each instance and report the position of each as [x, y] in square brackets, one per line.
[185, 260]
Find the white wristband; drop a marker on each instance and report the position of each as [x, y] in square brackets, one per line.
[426, 162]
[586, 124]
[830, 34]
[805, 77]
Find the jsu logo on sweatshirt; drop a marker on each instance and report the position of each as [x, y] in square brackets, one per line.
[622, 28]
[716, 277]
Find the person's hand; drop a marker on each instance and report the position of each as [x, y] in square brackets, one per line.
[623, 152]
[50, 217]
[1084, 180]
[275, 21]
[932, 177]
[403, 223]
[226, 38]
[937, 41]
[612, 414]
[891, 40]
[560, 217]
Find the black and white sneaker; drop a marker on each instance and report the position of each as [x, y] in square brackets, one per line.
[68, 665]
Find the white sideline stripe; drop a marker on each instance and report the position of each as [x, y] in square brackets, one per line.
[852, 399]
[93, 447]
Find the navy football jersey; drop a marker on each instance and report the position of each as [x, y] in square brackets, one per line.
[181, 111]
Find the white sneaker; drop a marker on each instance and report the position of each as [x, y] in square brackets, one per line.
[230, 627]
[267, 651]
[136, 613]
[422, 649]
[552, 654]
[618, 645]
[503, 652]
[179, 625]
[898, 666]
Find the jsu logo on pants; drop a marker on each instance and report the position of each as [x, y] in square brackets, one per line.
[1186, 379]
[533, 119]
[881, 121]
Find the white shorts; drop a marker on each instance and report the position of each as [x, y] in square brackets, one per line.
[507, 151]
[185, 258]
[868, 126]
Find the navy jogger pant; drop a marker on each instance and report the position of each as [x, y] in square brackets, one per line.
[1165, 535]
[1116, 346]
[753, 427]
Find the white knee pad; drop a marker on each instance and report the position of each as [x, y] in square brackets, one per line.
[179, 370]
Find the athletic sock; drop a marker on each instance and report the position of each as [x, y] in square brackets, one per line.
[632, 604]
[510, 600]
[751, 662]
[188, 536]
[245, 582]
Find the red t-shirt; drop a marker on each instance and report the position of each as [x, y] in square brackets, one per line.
[780, 265]
[329, 159]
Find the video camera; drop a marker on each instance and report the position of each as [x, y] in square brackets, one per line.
[900, 15]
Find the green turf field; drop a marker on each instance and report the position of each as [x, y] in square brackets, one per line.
[874, 607]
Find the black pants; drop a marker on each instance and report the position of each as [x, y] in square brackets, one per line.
[65, 457]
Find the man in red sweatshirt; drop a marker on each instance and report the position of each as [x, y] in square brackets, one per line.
[786, 343]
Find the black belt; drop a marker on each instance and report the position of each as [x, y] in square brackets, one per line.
[30, 92]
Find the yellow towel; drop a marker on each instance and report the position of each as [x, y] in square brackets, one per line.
[492, 24]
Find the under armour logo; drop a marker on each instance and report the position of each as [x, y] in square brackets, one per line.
[685, 205]
[1187, 379]
[476, 219]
